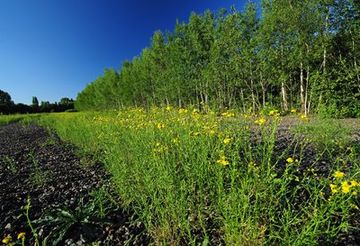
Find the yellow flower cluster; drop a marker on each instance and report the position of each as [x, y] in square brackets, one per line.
[222, 160]
[304, 117]
[160, 125]
[338, 174]
[160, 148]
[274, 112]
[345, 186]
[183, 111]
[261, 121]
[227, 140]
[7, 240]
[228, 114]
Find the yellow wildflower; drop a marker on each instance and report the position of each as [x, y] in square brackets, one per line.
[227, 140]
[251, 163]
[182, 111]
[333, 188]
[274, 112]
[339, 174]
[212, 132]
[293, 110]
[195, 133]
[160, 125]
[304, 117]
[228, 114]
[260, 121]
[290, 160]
[7, 240]
[168, 108]
[223, 161]
[160, 148]
[21, 235]
[354, 183]
[345, 187]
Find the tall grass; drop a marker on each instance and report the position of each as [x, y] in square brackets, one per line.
[196, 178]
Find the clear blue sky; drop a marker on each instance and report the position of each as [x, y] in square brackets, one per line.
[53, 48]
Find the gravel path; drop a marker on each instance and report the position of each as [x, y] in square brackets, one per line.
[36, 164]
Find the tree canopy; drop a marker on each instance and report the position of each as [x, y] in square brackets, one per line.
[7, 106]
[298, 54]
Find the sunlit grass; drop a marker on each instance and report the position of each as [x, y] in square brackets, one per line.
[193, 176]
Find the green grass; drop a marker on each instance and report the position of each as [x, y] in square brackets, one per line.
[7, 119]
[9, 163]
[190, 176]
[38, 176]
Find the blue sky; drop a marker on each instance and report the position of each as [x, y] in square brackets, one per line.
[53, 48]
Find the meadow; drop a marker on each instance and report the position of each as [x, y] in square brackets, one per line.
[205, 178]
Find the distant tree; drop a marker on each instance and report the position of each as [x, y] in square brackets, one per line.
[5, 98]
[64, 104]
[21, 108]
[35, 104]
[45, 106]
[5, 102]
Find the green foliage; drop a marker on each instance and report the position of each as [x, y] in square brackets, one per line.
[7, 106]
[302, 53]
[5, 102]
[188, 174]
[38, 176]
[9, 164]
[63, 220]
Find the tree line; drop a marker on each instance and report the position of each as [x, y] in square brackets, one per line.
[297, 54]
[7, 106]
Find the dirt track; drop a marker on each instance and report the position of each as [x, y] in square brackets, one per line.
[36, 164]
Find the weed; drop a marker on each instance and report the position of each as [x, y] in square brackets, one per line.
[38, 177]
[86, 217]
[9, 163]
[29, 222]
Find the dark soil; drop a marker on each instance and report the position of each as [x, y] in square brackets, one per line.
[35, 164]
[320, 163]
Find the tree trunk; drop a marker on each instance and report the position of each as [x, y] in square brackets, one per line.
[353, 51]
[263, 89]
[302, 90]
[284, 99]
[252, 90]
[243, 100]
[197, 95]
[179, 97]
[307, 102]
[253, 96]
[283, 89]
[324, 44]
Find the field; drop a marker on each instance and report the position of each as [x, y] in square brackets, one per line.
[186, 177]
